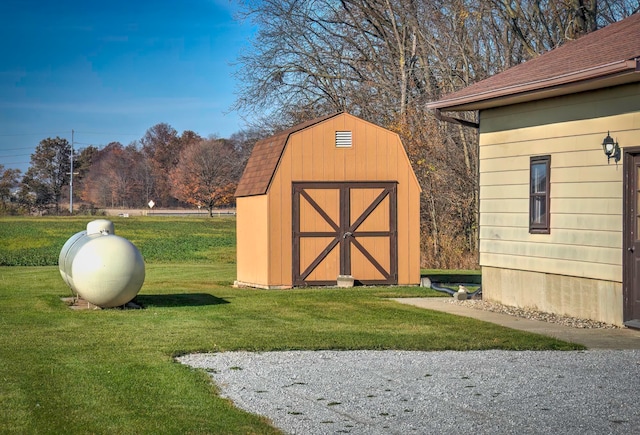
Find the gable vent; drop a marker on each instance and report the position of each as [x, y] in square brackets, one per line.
[343, 139]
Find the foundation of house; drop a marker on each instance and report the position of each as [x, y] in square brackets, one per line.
[563, 295]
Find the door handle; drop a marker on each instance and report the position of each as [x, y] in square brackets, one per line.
[631, 249]
[347, 234]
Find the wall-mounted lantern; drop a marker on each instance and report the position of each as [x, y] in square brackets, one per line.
[611, 148]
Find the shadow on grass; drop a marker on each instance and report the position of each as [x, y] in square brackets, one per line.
[179, 300]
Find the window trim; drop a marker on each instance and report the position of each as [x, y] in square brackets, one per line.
[545, 227]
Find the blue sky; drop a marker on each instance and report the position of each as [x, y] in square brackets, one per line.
[111, 70]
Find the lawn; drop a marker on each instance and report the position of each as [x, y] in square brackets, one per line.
[112, 371]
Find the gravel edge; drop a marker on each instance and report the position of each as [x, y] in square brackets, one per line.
[530, 313]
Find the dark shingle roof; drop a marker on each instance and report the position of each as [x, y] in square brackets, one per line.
[264, 159]
[611, 51]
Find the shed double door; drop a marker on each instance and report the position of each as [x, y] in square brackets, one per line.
[345, 228]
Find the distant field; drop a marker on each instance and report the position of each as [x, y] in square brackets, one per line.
[30, 241]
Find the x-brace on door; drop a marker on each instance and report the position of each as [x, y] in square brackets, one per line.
[345, 228]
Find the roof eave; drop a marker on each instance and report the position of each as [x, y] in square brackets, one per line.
[603, 76]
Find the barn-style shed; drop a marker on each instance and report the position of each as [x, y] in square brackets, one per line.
[335, 196]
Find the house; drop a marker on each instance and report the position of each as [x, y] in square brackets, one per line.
[559, 219]
[332, 197]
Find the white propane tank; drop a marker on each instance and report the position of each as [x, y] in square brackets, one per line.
[102, 268]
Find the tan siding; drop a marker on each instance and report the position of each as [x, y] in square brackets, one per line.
[597, 174]
[405, 220]
[504, 220]
[505, 164]
[414, 236]
[569, 174]
[330, 158]
[504, 205]
[586, 192]
[530, 145]
[505, 191]
[502, 177]
[587, 189]
[606, 272]
[251, 240]
[294, 153]
[575, 236]
[408, 218]
[349, 156]
[371, 153]
[357, 167]
[304, 137]
[579, 206]
[580, 229]
[593, 254]
[586, 222]
[281, 226]
[595, 107]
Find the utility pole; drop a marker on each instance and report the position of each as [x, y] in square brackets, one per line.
[71, 178]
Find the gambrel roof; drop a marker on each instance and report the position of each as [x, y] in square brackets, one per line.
[264, 159]
[607, 57]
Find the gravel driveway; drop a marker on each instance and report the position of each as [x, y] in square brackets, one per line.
[401, 392]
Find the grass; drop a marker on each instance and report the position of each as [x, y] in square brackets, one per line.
[112, 371]
[37, 241]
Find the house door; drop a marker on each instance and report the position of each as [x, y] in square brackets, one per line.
[631, 244]
[344, 229]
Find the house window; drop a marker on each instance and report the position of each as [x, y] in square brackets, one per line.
[539, 199]
[343, 139]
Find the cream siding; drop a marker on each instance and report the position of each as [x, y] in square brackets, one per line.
[586, 192]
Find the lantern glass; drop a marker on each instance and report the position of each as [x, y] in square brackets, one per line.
[608, 148]
[608, 145]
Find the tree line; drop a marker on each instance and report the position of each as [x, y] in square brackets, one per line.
[170, 169]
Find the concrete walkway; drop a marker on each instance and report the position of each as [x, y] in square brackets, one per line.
[617, 339]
